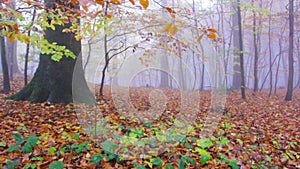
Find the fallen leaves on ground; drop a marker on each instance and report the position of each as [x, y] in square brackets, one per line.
[257, 132]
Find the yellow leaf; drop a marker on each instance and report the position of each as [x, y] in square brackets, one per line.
[116, 1]
[144, 3]
[132, 1]
[85, 8]
[27, 39]
[212, 30]
[173, 30]
[200, 37]
[212, 36]
[11, 39]
[167, 27]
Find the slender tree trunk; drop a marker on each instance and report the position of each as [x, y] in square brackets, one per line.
[270, 51]
[289, 93]
[255, 87]
[236, 82]
[241, 51]
[6, 83]
[27, 50]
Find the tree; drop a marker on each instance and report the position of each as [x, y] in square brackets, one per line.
[241, 50]
[6, 83]
[52, 80]
[236, 83]
[289, 93]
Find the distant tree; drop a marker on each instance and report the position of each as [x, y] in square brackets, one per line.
[241, 50]
[289, 93]
[6, 83]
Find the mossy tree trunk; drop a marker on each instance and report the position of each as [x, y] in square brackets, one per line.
[52, 80]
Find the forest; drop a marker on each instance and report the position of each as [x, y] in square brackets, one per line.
[150, 84]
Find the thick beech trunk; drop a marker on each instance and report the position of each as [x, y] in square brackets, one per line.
[52, 80]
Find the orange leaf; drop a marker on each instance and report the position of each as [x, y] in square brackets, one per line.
[212, 36]
[173, 30]
[101, 2]
[200, 37]
[85, 8]
[167, 27]
[27, 39]
[15, 27]
[116, 1]
[108, 15]
[144, 3]
[212, 30]
[170, 10]
[132, 1]
[11, 39]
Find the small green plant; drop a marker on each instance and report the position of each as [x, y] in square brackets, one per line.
[97, 158]
[185, 161]
[56, 165]
[28, 143]
[29, 165]
[11, 164]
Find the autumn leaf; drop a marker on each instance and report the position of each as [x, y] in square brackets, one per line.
[11, 39]
[144, 3]
[212, 30]
[85, 8]
[170, 10]
[171, 28]
[116, 2]
[200, 38]
[132, 1]
[27, 39]
[212, 36]
[101, 2]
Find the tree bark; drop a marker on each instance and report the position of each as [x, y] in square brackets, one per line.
[6, 83]
[236, 81]
[241, 50]
[289, 93]
[53, 80]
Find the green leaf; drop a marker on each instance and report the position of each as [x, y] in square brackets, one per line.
[19, 138]
[141, 167]
[56, 165]
[29, 165]
[51, 150]
[12, 148]
[203, 152]
[32, 140]
[157, 161]
[37, 158]
[204, 159]
[2, 144]
[233, 164]
[97, 158]
[27, 148]
[109, 146]
[169, 166]
[12, 164]
[204, 143]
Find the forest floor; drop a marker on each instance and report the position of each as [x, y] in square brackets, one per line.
[259, 132]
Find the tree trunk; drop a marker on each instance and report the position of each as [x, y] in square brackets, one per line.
[6, 83]
[289, 93]
[241, 50]
[52, 80]
[255, 87]
[236, 81]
